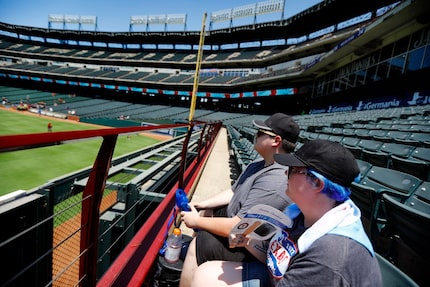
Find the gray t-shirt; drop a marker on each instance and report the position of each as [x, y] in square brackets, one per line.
[259, 185]
[333, 260]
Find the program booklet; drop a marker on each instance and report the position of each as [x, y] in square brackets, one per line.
[256, 229]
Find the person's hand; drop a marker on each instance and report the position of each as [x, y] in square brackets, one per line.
[190, 218]
[198, 205]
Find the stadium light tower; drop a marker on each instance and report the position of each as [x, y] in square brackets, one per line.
[72, 19]
[250, 10]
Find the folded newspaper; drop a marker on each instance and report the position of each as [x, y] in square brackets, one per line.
[256, 229]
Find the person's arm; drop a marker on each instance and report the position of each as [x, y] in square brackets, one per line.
[217, 225]
[221, 199]
[269, 189]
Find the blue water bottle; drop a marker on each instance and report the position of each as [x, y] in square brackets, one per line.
[182, 200]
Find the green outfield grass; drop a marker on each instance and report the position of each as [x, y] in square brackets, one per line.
[27, 169]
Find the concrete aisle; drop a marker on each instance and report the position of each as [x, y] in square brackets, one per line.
[216, 174]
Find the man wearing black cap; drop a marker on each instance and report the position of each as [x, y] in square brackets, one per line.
[326, 244]
[262, 182]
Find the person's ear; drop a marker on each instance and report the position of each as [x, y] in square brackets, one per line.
[277, 141]
[317, 184]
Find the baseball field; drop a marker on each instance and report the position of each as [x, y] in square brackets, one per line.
[30, 168]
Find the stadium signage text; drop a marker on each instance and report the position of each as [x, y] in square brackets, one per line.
[417, 99]
[381, 105]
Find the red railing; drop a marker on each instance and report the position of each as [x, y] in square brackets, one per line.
[134, 262]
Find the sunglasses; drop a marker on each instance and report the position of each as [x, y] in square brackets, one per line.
[292, 170]
[261, 132]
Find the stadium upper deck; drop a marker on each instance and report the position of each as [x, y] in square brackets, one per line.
[344, 60]
[315, 18]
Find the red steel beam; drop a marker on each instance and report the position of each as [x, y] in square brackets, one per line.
[91, 200]
[21, 141]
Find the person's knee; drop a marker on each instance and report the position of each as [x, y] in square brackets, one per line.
[191, 252]
[204, 273]
[188, 268]
[218, 273]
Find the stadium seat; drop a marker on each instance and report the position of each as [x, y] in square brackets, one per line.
[393, 276]
[396, 183]
[313, 135]
[351, 143]
[337, 131]
[349, 132]
[362, 133]
[336, 138]
[364, 167]
[368, 200]
[415, 167]
[370, 145]
[304, 136]
[421, 153]
[378, 134]
[323, 136]
[420, 199]
[421, 137]
[383, 156]
[385, 138]
[409, 224]
[398, 135]
[397, 149]
[377, 158]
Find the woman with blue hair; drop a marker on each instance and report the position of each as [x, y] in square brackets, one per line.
[326, 244]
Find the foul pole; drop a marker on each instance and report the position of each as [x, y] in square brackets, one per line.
[197, 72]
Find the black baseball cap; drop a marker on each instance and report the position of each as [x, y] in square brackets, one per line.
[281, 124]
[330, 159]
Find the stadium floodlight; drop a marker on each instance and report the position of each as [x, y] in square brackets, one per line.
[88, 20]
[165, 19]
[176, 19]
[220, 16]
[71, 19]
[138, 20]
[251, 10]
[243, 11]
[56, 18]
[271, 6]
[157, 19]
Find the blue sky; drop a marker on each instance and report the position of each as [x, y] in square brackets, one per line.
[114, 15]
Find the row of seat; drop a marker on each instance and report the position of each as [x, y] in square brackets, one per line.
[399, 156]
[242, 147]
[410, 136]
[395, 209]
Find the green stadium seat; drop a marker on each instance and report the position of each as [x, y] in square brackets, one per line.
[416, 167]
[397, 149]
[421, 153]
[364, 167]
[377, 158]
[351, 143]
[367, 199]
[420, 199]
[396, 183]
[370, 145]
[408, 224]
[393, 276]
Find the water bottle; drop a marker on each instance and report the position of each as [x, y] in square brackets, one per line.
[174, 246]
